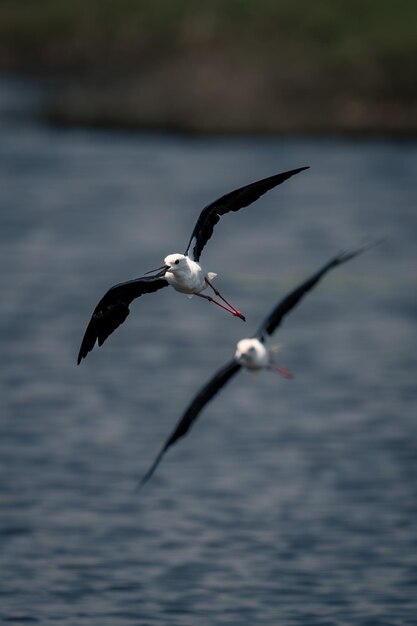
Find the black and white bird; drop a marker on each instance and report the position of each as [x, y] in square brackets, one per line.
[254, 353]
[182, 271]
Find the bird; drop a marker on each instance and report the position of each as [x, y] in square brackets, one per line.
[254, 354]
[182, 271]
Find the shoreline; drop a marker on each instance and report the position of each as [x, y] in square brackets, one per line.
[48, 102]
[200, 67]
[176, 115]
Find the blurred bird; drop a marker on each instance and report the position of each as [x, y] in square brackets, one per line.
[183, 273]
[255, 354]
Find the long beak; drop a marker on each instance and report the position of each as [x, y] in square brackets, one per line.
[158, 269]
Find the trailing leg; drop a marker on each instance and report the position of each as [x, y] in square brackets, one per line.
[217, 292]
[210, 299]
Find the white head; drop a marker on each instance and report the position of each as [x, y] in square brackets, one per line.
[175, 262]
[251, 353]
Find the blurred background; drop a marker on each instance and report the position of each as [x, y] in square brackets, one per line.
[289, 502]
[225, 66]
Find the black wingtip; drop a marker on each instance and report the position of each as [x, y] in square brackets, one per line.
[294, 172]
[143, 482]
[151, 470]
[81, 355]
[348, 254]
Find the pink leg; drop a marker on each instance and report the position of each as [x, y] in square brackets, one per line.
[281, 370]
[210, 299]
[217, 292]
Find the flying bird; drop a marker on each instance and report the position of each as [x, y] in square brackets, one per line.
[182, 271]
[254, 353]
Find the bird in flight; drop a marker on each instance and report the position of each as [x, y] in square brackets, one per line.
[254, 353]
[182, 271]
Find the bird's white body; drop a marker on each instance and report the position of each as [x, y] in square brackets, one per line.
[185, 275]
[252, 353]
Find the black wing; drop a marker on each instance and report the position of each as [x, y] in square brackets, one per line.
[113, 309]
[232, 201]
[289, 302]
[192, 412]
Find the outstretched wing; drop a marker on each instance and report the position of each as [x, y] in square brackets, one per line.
[232, 201]
[274, 319]
[192, 412]
[113, 309]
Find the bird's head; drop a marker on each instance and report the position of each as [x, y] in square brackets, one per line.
[172, 263]
[250, 353]
[175, 262]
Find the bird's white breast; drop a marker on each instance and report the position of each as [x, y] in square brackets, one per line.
[251, 353]
[189, 277]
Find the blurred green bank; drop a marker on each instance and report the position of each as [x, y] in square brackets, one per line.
[231, 66]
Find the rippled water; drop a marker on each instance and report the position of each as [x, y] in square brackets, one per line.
[290, 502]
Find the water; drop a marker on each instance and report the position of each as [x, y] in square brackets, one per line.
[290, 502]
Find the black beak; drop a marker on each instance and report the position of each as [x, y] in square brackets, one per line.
[161, 269]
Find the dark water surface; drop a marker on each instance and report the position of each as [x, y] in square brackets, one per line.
[290, 502]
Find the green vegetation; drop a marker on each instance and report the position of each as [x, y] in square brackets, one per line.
[336, 64]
